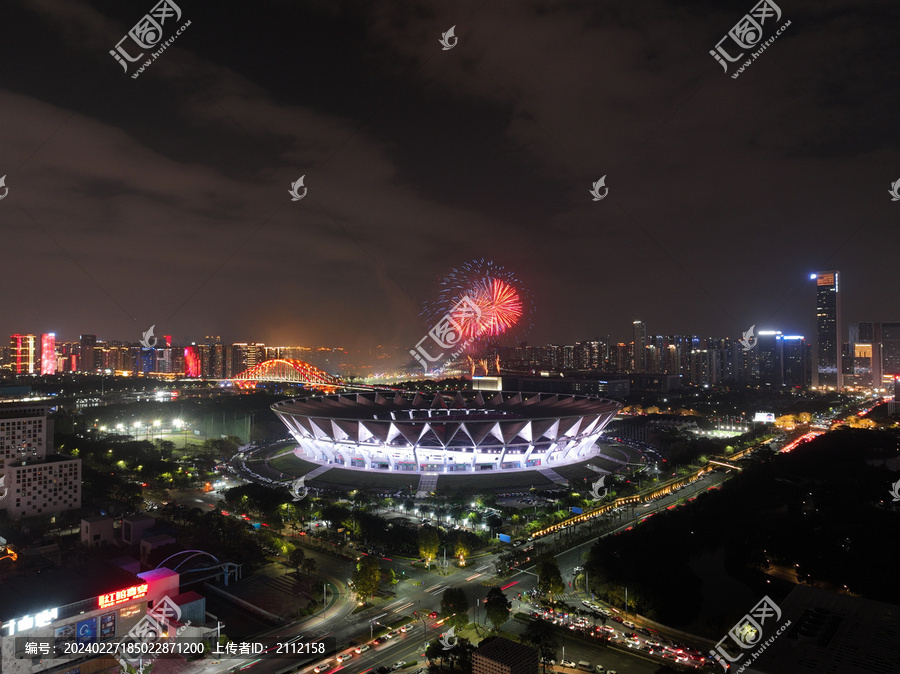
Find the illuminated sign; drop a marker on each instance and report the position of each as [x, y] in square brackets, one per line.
[766, 417]
[129, 611]
[108, 625]
[121, 596]
[28, 622]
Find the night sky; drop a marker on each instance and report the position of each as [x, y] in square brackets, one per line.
[164, 199]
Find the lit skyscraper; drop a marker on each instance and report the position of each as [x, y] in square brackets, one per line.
[48, 353]
[23, 353]
[890, 348]
[770, 353]
[639, 363]
[796, 370]
[88, 344]
[828, 330]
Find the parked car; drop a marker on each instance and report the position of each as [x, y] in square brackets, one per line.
[400, 664]
[568, 663]
[585, 666]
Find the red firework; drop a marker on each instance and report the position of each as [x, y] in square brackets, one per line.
[501, 308]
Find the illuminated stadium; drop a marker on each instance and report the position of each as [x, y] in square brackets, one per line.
[466, 432]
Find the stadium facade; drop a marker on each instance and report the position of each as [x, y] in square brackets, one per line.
[470, 431]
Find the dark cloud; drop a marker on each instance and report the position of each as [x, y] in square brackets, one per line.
[164, 199]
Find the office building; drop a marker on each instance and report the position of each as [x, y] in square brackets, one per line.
[770, 358]
[35, 482]
[795, 356]
[88, 359]
[48, 353]
[639, 362]
[828, 372]
[864, 355]
[24, 355]
[890, 349]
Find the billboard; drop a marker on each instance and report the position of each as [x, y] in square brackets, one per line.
[504, 538]
[87, 631]
[577, 511]
[765, 417]
[108, 625]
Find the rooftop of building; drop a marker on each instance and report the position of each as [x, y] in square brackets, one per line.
[35, 589]
[832, 633]
[501, 649]
[19, 410]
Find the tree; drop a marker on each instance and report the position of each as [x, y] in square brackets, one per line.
[496, 607]
[429, 543]
[540, 635]
[435, 650]
[462, 549]
[455, 608]
[461, 654]
[297, 558]
[309, 565]
[367, 577]
[549, 578]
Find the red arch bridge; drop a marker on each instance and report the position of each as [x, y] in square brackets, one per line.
[287, 371]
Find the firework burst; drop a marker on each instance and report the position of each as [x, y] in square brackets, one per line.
[501, 298]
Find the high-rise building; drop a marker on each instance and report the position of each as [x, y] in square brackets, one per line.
[88, 344]
[864, 345]
[34, 482]
[795, 353]
[890, 349]
[770, 358]
[24, 355]
[639, 363]
[828, 330]
[242, 356]
[48, 353]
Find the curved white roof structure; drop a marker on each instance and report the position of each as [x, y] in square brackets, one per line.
[470, 431]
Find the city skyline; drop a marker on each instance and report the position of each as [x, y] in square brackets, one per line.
[314, 184]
